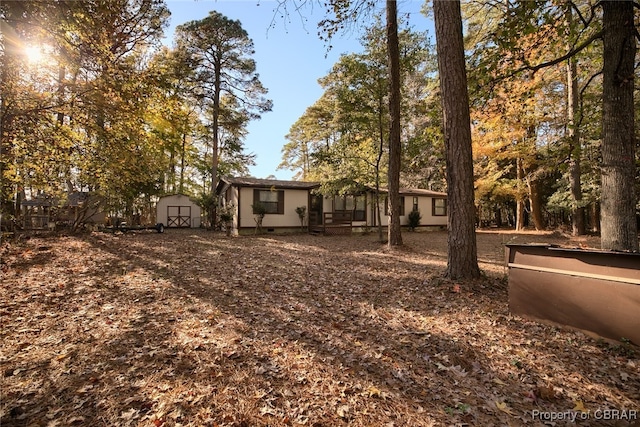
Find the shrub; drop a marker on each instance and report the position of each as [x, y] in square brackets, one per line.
[259, 210]
[302, 213]
[414, 220]
[226, 213]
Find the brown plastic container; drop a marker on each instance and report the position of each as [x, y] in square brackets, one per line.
[597, 292]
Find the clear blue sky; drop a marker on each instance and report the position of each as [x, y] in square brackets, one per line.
[290, 58]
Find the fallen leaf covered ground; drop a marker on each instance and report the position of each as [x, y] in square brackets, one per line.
[190, 328]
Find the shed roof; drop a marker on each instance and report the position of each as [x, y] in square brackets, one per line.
[191, 199]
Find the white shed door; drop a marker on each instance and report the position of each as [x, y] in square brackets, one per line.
[179, 216]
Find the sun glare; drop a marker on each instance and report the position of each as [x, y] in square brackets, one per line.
[34, 54]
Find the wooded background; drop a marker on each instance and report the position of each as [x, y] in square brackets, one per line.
[106, 109]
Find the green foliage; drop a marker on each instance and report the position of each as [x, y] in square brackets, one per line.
[127, 121]
[92, 79]
[226, 213]
[518, 98]
[225, 87]
[414, 219]
[302, 213]
[342, 140]
[259, 210]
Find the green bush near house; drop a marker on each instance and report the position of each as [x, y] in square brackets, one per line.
[414, 220]
[302, 213]
[226, 214]
[259, 211]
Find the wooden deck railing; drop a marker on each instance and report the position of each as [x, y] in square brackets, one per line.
[340, 222]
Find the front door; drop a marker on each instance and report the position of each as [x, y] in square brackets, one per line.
[315, 209]
[179, 216]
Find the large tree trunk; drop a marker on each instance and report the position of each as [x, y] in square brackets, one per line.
[535, 201]
[462, 260]
[378, 215]
[533, 179]
[575, 152]
[395, 147]
[618, 201]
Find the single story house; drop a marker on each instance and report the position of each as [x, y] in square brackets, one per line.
[281, 198]
[178, 211]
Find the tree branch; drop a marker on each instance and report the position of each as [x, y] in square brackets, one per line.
[560, 59]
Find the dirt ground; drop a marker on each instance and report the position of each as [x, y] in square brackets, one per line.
[190, 328]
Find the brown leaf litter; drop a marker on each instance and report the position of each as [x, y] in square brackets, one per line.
[190, 328]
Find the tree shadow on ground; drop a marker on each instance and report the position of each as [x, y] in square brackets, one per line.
[292, 329]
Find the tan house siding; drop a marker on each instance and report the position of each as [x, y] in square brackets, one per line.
[424, 206]
[289, 218]
[242, 193]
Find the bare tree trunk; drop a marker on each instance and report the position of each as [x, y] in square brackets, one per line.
[306, 164]
[462, 260]
[573, 134]
[171, 185]
[61, 76]
[595, 217]
[378, 162]
[520, 197]
[618, 201]
[216, 144]
[182, 163]
[535, 200]
[376, 195]
[395, 147]
[533, 178]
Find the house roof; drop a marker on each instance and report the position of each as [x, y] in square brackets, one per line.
[421, 192]
[304, 185]
[417, 192]
[268, 183]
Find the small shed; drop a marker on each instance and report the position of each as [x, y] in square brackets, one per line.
[36, 213]
[178, 211]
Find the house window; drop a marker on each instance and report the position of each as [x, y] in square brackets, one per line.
[439, 207]
[386, 206]
[350, 203]
[272, 200]
[415, 204]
